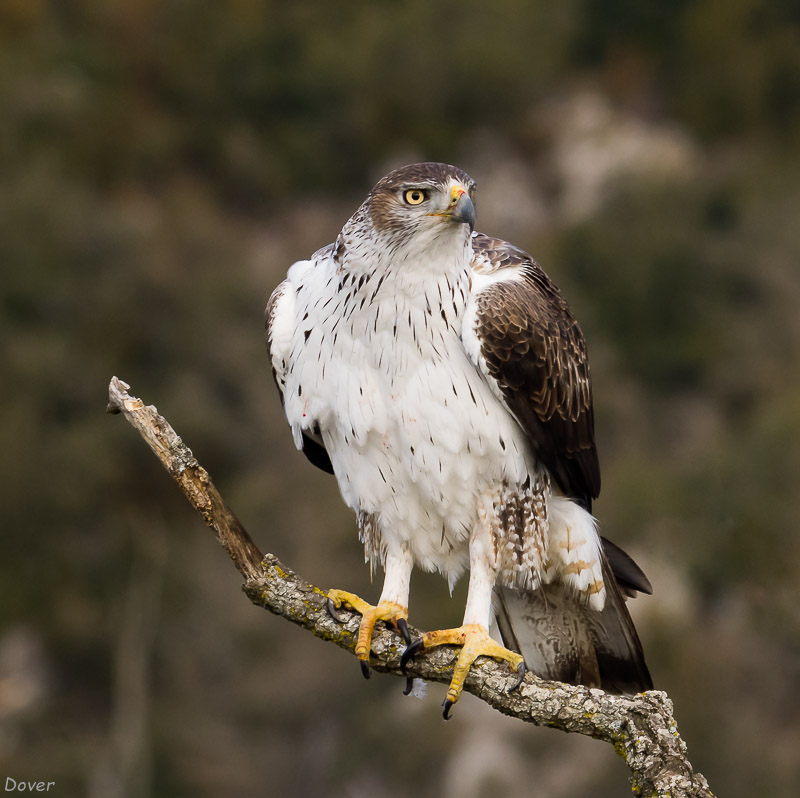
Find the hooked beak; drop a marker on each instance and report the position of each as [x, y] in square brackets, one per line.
[461, 209]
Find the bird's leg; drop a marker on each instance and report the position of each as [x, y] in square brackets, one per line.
[392, 605]
[473, 634]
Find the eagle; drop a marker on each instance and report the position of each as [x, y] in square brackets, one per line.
[439, 374]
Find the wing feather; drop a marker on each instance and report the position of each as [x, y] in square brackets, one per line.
[534, 351]
[279, 324]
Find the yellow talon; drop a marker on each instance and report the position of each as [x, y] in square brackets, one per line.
[475, 642]
[384, 611]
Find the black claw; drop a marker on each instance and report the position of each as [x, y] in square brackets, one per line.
[402, 627]
[332, 611]
[521, 670]
[447, 704]
[408, 654]
[364, 668]
[409, 686]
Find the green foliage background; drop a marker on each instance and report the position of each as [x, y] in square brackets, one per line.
[163, 163]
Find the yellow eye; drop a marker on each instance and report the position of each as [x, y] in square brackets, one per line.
[415, 196]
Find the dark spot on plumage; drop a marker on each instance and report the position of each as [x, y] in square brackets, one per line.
[306, 334]
[412, 450]
[444, 316]
[340, 247]
[299, 390]
[378, 286]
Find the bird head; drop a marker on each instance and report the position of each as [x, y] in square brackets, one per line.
[419, 210]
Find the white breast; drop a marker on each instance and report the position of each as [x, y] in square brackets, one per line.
[413, 430]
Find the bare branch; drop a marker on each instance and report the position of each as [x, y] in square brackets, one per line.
[192, 478]
[641, 728]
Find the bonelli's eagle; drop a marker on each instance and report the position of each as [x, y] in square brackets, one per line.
[439, 374]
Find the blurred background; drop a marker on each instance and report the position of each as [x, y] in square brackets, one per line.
[163, 163]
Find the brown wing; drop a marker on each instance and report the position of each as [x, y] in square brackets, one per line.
[536, 353]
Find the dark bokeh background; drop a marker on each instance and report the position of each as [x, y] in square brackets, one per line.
[163, 163]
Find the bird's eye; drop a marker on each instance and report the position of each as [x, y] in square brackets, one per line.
[415, 196]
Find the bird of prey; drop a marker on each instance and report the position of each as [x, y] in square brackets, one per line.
[440, 375]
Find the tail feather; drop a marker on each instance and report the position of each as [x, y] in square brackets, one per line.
[630, 577]
[563, 639]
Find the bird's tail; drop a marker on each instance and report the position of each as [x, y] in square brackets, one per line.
[563, 639]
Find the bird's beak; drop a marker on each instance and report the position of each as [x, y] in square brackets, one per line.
[461, 209]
